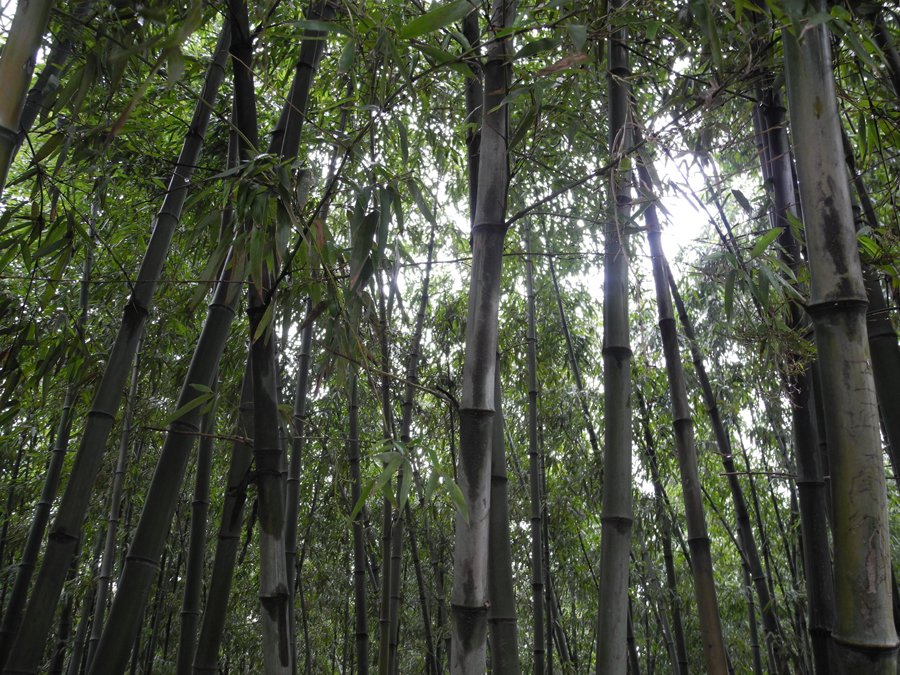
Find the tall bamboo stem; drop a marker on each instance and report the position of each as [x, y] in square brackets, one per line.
[863, 634]
[617, 513]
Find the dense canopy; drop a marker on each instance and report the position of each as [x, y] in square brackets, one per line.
[340, 337]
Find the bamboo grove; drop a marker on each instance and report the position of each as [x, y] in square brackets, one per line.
[341, 337]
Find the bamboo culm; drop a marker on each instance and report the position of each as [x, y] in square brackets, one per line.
[27, 563]
[469, 597]
[864, 638]
[16, 67]
[534, 471]
[193, 579]
[502, 613]
[617, 513]
[698, 537]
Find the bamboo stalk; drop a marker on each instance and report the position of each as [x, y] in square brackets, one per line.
[863, 634]
[537, 567]
[469, 626]
[617, 510]
[698, 537]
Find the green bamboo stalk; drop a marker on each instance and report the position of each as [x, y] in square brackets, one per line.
[115, 506]
[661, 610]
[206, 657]
[502, 613]
[617, 514]
[16, 67]
[864, 638]
[537, 567]
[64, 534]
[193, 579]
[469, 626]
[698, 537]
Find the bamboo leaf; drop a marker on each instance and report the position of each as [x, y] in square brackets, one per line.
[764, 241]
[362, 247]
[437, 19]
[186, 408]
[405, 484]
[538, 46]
[456, 496]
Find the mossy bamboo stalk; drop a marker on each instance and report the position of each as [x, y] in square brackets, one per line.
[863, 635]
[64, 534]
[469, 627]
[617, 512]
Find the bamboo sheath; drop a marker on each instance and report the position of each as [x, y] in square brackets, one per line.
[864, 638]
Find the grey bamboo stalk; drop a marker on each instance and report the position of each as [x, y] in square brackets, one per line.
[616, 516]
[386, 651]
[774, 634]
[359, 543]
[634, 664]
[88, 606]
[27, 650]
[882, 338]
[292, 493]
[115, 506]
[469, 627]
[193, 578]
[474, 95]
[16, 67]
[810, 478]
[17, 599]
[863, 635]
[573, 365]
[206, 657]
[502, 613]
[698, 538]
[537, 568]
